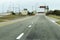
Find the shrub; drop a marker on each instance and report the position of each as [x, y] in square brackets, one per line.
[13, 13]
[55, 12]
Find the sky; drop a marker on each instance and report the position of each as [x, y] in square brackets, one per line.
[29, 4]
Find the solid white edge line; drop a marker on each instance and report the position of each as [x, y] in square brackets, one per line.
[20, 36]
[51, 21]
[29, 26]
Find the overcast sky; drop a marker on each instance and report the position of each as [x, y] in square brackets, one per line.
[9, 4]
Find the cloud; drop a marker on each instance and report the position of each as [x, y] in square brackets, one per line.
[53, 4]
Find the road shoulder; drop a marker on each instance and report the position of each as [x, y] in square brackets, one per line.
[14, 21]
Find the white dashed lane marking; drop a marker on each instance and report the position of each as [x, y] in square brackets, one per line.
[29, 26]
[20, 36]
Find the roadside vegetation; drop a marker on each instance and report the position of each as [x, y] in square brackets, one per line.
[10, 17]
[1, 20]
[54, 14]
[13, 16]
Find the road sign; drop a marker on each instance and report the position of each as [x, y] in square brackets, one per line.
[42, 7]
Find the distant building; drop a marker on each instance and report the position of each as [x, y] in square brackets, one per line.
[24, 12]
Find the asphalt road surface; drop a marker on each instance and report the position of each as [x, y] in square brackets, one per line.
[35, 28]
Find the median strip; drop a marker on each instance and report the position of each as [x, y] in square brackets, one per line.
[20, 36]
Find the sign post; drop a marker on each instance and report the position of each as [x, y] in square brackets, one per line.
[46, 8]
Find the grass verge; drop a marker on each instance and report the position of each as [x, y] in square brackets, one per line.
[10, 17]
[1, 20]
[56, 17]
[58, 22]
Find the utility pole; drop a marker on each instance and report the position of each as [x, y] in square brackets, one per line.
[36, 6]
[9, 8]
[19, 8]
[47, 9]
[32, 8]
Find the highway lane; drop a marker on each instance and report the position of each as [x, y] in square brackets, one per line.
[43, 29]
[12, 31]
[35, 28]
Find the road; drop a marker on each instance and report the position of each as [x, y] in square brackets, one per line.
[36, 28]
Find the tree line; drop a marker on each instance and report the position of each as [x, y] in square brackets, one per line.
[55, 12]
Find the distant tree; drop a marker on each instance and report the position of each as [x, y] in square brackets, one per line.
[29, 13]
[55, 12]
[19, 13]
[13, 13]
